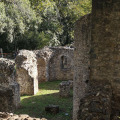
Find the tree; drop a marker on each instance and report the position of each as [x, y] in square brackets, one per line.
[59, 16]
[50, 24]
[17, 17]
[33, 24]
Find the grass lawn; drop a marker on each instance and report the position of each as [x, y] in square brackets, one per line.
[48, 94]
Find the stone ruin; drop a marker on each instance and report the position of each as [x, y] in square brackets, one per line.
[97, 63]
[55, 63]
[26, 72]
[81, 61]
[61, 64]
[22, 75]
[47, 64]
[11, 116]
[43, 57]
[64, 89]
[9, 88]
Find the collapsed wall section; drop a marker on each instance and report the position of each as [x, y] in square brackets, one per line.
[27, 74]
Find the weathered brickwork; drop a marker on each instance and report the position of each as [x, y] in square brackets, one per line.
[81, 60]
[60, 65]
[27, 74]
[97, 101]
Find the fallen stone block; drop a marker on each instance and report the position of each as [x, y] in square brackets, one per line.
[64, 89]
[53, 109]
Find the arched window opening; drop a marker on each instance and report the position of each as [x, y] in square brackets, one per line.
[64, 62]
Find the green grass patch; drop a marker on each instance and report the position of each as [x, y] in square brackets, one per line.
[48, 94]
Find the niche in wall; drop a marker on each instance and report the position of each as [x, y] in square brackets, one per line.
[65, 62]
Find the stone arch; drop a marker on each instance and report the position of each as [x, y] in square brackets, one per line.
[65, 62]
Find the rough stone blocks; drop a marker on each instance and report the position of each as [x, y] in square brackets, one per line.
[27, 74]
[8, 100]
[9, 88]
[64, 89]
[97, 40]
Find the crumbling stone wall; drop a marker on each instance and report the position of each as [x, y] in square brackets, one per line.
[60, 65]
[105, 55]
[9, 88]
[55, 63]
[81, 60]
[27, 74]
[41, 70]
[96, 105]
[104, 64]
[7, 72]
[6, 99]
[11, 116]
[43, 57]
[16, 92]
[9, 98]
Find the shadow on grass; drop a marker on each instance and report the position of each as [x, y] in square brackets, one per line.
[48, 94]
[53, 85]
[35, 106]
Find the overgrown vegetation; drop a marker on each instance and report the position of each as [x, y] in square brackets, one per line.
[48, 94]
[33, 24]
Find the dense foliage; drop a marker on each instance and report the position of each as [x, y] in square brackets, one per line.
[33, 24]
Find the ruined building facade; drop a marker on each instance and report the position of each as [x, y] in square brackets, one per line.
[55, 63]
[21, 77]
[47, 64]
[97, 57]
[60, 65]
